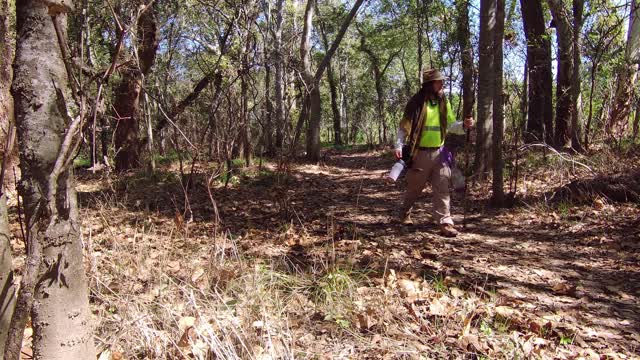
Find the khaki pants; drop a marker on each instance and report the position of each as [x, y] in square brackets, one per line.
[427, 166]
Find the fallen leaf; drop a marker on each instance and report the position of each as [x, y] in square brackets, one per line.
[469, 340]
[598, 204]
[505, 311]
[197, 274]
[408, 288]
[563, 288]
[173, 266]
[440, 308]
[455, 292]
[185, 323]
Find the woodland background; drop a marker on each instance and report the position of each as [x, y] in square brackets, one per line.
[205, 179]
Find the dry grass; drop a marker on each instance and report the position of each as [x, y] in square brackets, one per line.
[158, 294]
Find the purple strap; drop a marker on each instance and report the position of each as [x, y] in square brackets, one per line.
[447, 157]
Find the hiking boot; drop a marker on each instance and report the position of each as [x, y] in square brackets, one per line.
[448, 230]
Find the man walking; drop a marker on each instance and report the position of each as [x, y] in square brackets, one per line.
[427, 119]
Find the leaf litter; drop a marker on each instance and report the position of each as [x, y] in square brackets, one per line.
[309, 264]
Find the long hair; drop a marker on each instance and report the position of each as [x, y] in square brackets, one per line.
[428, 93]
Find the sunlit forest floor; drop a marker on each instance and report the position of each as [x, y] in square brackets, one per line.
[308, 263]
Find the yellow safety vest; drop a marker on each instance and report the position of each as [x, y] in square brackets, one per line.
[431, 136]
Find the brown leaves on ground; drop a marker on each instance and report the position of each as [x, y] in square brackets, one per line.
[309, 264]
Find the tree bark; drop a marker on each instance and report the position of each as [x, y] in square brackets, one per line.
[565, 106]
[486, 84]
[498, 108]
[466, 58]
[279, 77]
[333, 90]
[626, 77]
[311, 94]
[7, 49]
[127, 101]
[420, 40]
[60, 314]
[636, 123]
[540, 109]
[7, 286]
[576, 85]
[337, 120]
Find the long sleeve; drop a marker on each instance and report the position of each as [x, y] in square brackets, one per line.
[456, 127]
[453, 126]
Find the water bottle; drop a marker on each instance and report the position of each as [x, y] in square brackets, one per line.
[396, 170]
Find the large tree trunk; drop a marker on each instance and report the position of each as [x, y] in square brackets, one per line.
[127, 101]
[60, 314]
[627, 76]
[565, 105]
[540, 109]
[466, 57]
[497, 197]
[486, 83]
[7, 286]
[7, 49]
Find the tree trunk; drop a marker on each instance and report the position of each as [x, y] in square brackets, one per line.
[587, 129]
[498, 108]
[60, 314]
[344, 102]
[245, 134]
[7, 286]
[466, 58]
[278, 58]
[315, 117]
[565, 105]
[420, 35]
[636, 123]
[333, 90]
[127, 102]
[335, 107]
[486, 83]
[540, 109]
[382, 127]
[627, 76]
[7, 49]
[576, 86]
[311, 93]
[268, 129]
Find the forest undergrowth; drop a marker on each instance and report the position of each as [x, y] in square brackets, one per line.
[309, 264]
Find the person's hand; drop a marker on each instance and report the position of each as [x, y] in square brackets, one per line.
[398, 153]
[468, 122]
